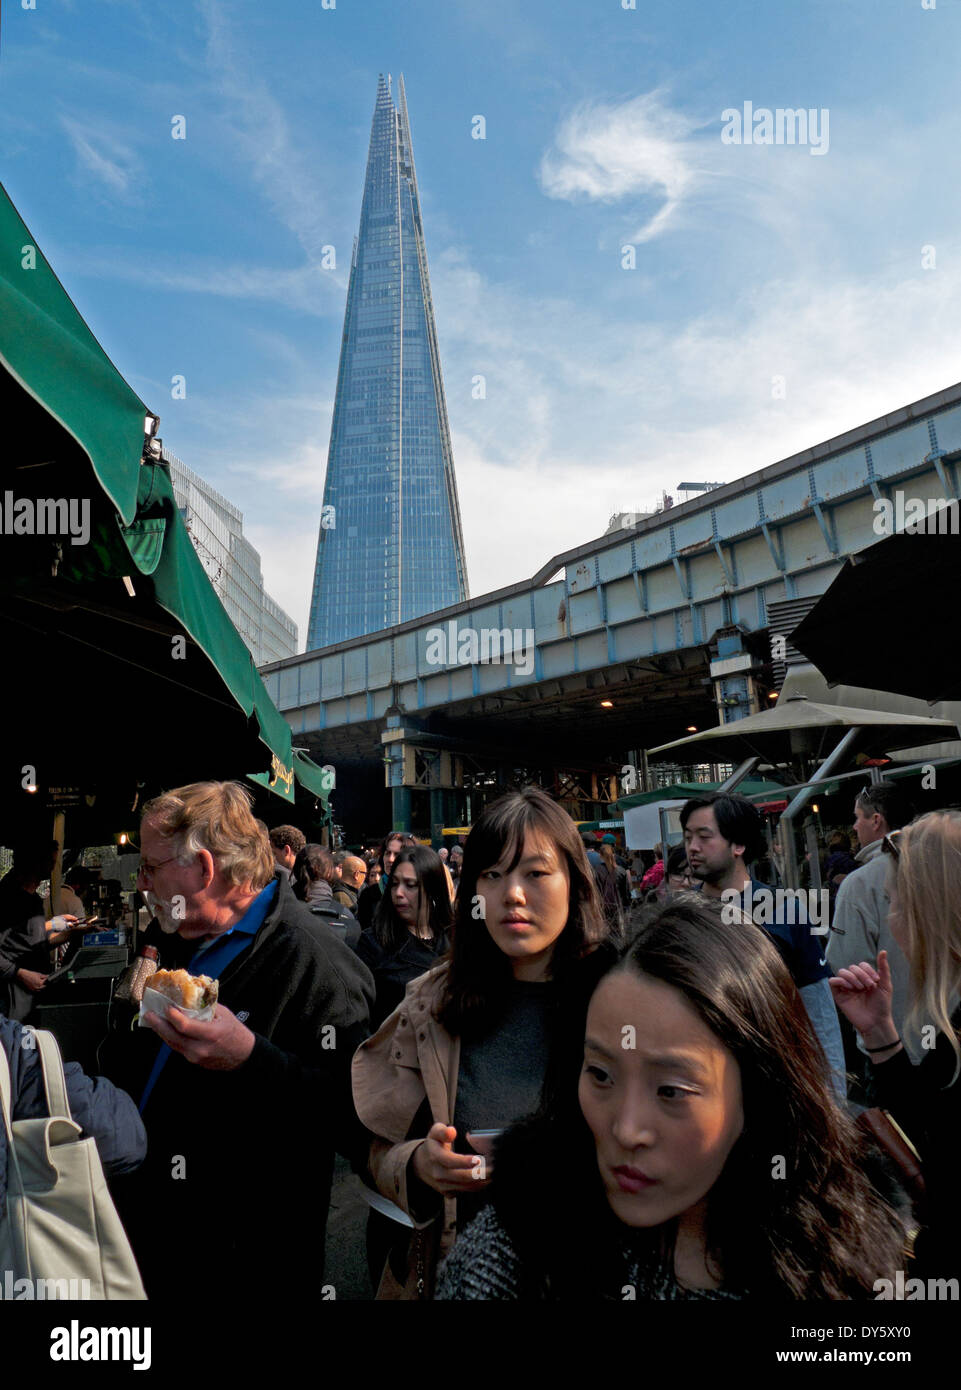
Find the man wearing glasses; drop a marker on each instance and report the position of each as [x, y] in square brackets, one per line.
[860, 926]
[243, 1112]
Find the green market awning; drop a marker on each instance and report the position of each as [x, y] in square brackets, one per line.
[319, 781]
[316, 781]
[682, 791]
[129, 669]
[53, 356]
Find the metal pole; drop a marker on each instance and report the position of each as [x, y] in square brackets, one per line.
[738, 775]
[664, 820]
[838, 755]
[772, 857]
[56, 873]
[811, 840]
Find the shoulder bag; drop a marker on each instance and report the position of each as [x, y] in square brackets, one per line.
[61, 1229]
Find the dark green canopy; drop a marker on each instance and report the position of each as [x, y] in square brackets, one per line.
[124, 673]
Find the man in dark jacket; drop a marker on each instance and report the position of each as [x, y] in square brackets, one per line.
[103, 1113]
[353, 872]
[243, 1112]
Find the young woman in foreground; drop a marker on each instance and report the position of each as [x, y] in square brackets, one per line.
[700, 1153]
[470, 1046]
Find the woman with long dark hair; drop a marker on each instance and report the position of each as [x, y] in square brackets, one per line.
[469, 1049]
[312, 874]
[613, 883]
[410, 928]
[699, 1152]
[312, 880]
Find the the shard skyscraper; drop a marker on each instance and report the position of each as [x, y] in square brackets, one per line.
[395, 549]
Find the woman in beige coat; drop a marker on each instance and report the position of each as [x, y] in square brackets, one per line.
[470, 1047]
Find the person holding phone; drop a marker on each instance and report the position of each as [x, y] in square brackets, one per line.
[469, 1047]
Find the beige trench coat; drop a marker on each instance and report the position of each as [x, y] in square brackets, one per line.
[410, 1058]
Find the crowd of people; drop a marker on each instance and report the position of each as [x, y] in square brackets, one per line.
[557, 1078]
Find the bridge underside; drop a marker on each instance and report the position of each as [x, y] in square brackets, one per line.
[555, 733]
[561, 717]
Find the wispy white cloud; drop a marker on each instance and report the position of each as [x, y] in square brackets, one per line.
[101, 153]
[279, 163]
[655, 161]
[306, 288]
[636, 148]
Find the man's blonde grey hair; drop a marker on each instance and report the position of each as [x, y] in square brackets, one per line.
[215, 816]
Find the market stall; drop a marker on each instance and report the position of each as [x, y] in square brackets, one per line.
[124, 674]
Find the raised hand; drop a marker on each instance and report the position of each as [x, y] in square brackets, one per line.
[863, 993]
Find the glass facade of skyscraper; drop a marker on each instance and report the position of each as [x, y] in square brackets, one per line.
[390, 545]
[216, 529]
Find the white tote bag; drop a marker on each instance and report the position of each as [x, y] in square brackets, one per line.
[61, 1232]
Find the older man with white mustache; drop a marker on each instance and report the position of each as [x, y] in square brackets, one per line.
[242, 1112]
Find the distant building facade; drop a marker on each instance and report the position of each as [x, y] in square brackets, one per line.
[623, 521]
[216, 528]
[390, 546]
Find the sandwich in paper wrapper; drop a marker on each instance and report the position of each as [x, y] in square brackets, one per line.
[194, 995]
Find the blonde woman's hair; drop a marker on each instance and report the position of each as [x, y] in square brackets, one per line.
[215, 816]
[928, 882]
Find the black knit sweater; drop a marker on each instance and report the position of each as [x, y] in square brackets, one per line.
[485, 1265]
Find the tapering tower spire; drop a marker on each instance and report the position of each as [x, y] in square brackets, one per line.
[395, 549]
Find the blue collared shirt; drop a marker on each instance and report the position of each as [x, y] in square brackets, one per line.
[214, 956]
[218, 950]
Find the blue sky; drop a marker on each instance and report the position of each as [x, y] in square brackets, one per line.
[605, 385]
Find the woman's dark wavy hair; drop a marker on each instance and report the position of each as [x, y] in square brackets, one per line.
[312, 863]
[480, 974]
[390, 930]
[821, 1231]
[407, 841]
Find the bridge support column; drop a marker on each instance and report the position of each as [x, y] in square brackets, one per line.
[735, 691]
[438, 812]
[401, 808]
